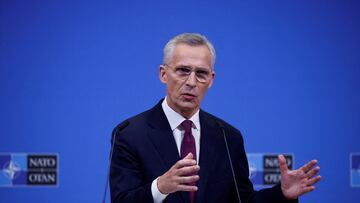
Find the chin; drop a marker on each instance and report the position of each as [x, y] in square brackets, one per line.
[188, 106]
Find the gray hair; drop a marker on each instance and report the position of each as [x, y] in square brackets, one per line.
[191, 39]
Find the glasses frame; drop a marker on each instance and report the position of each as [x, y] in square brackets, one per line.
[192, 70]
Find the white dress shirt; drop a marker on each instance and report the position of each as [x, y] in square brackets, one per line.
[175, 119]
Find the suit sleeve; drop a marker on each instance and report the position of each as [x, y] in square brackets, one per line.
[127, 183]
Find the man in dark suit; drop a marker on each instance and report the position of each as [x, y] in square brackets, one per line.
[175, 152]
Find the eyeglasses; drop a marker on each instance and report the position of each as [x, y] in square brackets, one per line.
[183, 72]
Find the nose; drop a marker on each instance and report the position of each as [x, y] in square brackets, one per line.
[191, 80]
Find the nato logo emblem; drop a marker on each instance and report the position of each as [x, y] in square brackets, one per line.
[355, 169]
[21, 169]
[264, 169]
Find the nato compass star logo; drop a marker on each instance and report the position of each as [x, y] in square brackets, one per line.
[252, 170]
[255, 161]
[11, 170]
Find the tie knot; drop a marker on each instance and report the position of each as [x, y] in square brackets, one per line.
[186, 124]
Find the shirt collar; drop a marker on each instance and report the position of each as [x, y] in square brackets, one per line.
[175, 119]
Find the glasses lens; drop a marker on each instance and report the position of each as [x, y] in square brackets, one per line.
[183, 72]
[202, 75]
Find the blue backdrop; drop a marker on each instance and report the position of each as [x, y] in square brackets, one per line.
[287, 75]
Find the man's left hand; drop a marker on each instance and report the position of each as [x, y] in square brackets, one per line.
[295, 183]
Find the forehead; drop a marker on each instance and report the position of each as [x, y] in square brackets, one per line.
[197, 56]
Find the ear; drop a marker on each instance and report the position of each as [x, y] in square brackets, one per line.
[212, 79]
[162, 74]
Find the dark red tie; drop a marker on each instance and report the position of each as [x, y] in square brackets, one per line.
[187, 146]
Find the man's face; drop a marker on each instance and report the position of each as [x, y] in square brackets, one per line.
[185, 93]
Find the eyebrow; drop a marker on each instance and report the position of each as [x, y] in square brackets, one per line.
[196, 68]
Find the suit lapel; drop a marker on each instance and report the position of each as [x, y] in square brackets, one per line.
[208, 142]
[162, 137]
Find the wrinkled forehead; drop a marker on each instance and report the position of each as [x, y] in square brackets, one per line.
[193, 56]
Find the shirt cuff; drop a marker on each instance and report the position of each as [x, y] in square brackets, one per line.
[158, 197]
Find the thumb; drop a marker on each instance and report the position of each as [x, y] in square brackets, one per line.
[282, 163]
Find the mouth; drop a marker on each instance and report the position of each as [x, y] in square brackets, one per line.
[189, 96]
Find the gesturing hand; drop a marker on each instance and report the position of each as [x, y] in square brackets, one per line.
[177, 177]
[298, 182]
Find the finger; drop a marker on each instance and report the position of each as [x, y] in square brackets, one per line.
[184, 162]
[308, 189]
[308, 166]
[188, 170]
[312, 172]
[188, 179]
[187, 160]
[313, 181]
[282, 163]
[187, 188]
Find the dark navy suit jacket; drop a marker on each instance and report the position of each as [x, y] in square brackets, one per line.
[146, 149]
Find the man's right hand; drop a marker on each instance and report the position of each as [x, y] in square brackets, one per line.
[177, 177]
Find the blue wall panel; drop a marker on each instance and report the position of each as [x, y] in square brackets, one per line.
[287, 76]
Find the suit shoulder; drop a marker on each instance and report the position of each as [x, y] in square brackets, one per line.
[233, 135]
[134, 123]
[220, 121]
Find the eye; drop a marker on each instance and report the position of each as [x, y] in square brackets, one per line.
[183, 70]
[202, 73]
